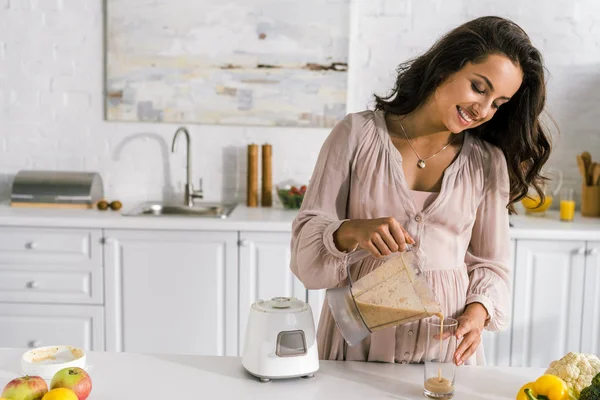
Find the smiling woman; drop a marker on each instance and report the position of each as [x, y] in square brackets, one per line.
[435, 165]
[466, 78]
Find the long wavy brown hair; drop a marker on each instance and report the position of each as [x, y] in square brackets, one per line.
[516, 127]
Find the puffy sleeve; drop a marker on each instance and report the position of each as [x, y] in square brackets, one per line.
[488, 255]
[315, 260]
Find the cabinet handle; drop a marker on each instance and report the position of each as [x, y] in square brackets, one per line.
[243, 242]
[34, 343]
[31, 245]
[580, 251]
[32, 285]
[592, 252]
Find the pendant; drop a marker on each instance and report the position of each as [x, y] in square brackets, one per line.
[421, 164]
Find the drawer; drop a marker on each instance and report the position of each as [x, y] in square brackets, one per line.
[35, 325]
[56, 286]
[50, 245]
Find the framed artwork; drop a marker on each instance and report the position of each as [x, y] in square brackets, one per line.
[229, 62]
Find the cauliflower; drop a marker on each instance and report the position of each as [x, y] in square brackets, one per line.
[576, 369]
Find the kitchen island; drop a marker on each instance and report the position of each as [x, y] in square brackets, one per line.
[134, 376]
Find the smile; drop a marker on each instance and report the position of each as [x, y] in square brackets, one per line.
[464, 115]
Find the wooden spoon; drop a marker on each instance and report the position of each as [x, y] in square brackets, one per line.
[596, 175]
[582, 169]
[587, 162]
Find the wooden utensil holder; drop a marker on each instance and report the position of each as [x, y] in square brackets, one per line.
[590, 201]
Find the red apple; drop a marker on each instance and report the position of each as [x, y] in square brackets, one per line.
[73, 378]
[25, 388]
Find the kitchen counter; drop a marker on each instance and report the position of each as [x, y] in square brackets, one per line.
[129, 376]
[551, 227]
[241, 219]
[274, 219]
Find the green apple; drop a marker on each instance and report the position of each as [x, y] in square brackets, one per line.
[25, 388]
[73, 378]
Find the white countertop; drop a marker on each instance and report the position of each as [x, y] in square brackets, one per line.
[129, 376]
[551, 227]
[273, 219]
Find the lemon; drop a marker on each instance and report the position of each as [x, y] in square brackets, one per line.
[60, 394]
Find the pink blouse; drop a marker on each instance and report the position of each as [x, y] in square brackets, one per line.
[462, 233]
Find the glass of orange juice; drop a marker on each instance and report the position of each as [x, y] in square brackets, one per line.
[567, 205]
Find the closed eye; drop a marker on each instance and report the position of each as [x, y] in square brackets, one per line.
[478, 91]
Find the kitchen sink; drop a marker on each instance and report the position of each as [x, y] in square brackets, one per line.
[206, 210]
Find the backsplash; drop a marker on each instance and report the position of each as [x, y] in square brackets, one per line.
[51, 94]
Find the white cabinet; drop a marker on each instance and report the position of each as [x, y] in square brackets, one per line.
[190, 291]
[51, 287]
[548, 301]
[590, 335]
[51, 265]
[265, 272]
[35, 325]
[171, 291]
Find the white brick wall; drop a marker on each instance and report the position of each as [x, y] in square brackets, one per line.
[51, 83]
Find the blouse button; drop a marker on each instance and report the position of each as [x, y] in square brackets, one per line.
[406, 354]
[410, 333]
[403, 362]
[418, 218]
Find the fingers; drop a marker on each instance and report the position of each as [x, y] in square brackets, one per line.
[467, 347]
[444, 337]
[465, 325]
[382, 237]
[391, 243]
[371, 248]
[381, 245]
[407, 236]
[399, 236]
[471, 337]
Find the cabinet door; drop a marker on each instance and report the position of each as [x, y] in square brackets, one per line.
[497, 344]
[265, 272]
[37, 325]
[172, 292]
[548, 301]
[590, 333]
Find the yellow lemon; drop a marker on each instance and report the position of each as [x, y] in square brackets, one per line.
[60, 394]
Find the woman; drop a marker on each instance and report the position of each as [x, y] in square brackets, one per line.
[436, 164]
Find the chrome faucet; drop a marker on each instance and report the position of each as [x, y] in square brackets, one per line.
[190, 194]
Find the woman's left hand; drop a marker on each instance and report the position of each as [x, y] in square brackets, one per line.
[470, 326]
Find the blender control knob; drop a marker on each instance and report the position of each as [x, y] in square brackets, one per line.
[281, 302]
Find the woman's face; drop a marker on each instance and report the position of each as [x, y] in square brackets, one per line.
[471, 96]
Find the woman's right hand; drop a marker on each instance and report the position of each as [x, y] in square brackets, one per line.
[380, 237]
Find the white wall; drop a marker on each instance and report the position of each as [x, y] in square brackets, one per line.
[51, 84]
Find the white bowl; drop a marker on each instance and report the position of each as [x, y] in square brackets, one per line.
[47, 361]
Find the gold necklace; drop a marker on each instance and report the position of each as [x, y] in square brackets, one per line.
[421, 163]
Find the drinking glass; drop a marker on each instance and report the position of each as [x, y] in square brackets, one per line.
[567, 205]
[440, 370]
